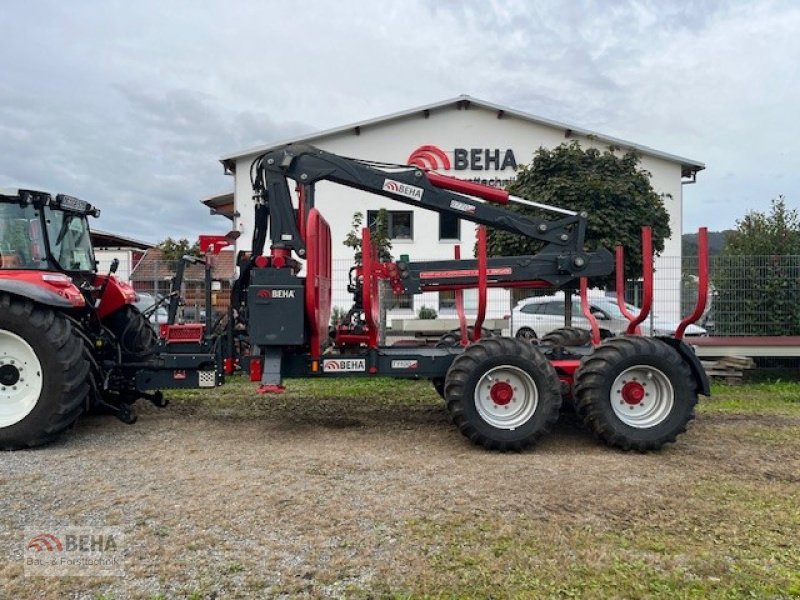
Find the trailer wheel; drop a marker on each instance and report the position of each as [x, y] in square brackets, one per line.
[502, 393]
[452, 339]
[43, 374]
[567, 336]
[635, 393]
[526, 334]
[133, 331]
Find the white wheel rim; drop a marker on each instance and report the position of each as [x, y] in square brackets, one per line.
[506, 397]
[642, 396]
[20, 379]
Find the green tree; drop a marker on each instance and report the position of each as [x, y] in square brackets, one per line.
[757, 276]
[175, 249]
[379, 235]
[610, 187]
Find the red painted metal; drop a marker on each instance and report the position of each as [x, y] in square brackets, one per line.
[255, 369]
[262, 261]
[501, 393]
[481, 316]
[565, 369]
[55, 283]
[301, 211]
[117, 294]
[620, 271]
[229, 366]
[318, 279]
[633, 393]
[182, 334]
[647, 277]
[213, 244]
[453, 273]
[459, 295]
[533, 283]
[587, 311]
[370, 287]
[702, 283]
[271, 389]
[454, 184]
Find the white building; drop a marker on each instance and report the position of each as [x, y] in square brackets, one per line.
[464, 137]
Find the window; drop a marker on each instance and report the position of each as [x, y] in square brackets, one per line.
[532, 309]
[400, 301]
[447, 300]
[449, 227]
[400, 224]
[554, 308]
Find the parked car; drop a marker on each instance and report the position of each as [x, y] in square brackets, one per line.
[145, 303]
[534, 317]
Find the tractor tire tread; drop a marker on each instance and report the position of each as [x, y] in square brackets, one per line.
[592, 377]
[462, 369]
[57, 332]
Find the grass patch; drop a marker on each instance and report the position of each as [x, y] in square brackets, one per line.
[378, 391]
[728, 540]
[775, 397]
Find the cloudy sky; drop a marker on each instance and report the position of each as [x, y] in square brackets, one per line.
[131, 104]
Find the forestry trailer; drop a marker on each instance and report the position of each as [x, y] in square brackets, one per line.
[70, 339]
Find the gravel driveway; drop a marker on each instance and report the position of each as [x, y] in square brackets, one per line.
[321, 498]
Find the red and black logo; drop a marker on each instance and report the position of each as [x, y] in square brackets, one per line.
[430, 158]
[433, 158]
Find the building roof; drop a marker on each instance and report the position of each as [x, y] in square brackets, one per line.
[104, 239]
[688, 166]
[154, 266]
[221, 204]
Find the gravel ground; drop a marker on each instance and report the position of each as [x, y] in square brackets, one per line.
[322, 499]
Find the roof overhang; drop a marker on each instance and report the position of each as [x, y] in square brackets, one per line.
[104, 239]
[221, 204]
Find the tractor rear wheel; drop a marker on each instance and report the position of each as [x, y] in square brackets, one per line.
[502, 393]
[635, 393]
[43, 374]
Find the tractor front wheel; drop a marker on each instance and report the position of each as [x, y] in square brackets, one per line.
[635, 393]
[134, 333]
[43, 374]
[502, 393]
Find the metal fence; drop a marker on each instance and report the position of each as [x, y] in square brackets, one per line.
[750, 295]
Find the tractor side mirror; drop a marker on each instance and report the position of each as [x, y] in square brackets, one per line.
[114, 266]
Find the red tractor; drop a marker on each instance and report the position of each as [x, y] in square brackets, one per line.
[70, 338]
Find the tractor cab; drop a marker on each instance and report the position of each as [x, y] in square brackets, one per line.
[45, 233]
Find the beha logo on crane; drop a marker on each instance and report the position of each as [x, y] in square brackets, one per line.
[433, 158]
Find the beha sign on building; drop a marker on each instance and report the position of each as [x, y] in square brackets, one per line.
[468, 159]
[464, 137]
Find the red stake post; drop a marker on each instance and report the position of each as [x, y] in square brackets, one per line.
[702, 283]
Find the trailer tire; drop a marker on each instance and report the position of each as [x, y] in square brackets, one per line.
[635, 393]
[452, 339]
[502, 393]
[55, 374]
[438, 385]
[526, 334]
[133, 331]
[567, 336]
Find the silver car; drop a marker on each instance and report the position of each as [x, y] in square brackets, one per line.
[534, 317]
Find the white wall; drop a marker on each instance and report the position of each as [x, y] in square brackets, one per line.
[105, 257]
[447, 128]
